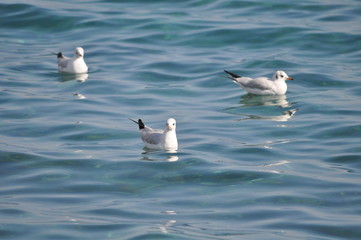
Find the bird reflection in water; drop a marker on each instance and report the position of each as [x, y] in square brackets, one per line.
[265, 100]
[164, 228]
[284, 117]
[167, 156]
[80, 77]
[251, 101]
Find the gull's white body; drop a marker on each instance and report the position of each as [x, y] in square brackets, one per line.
[157, 138]
[72, 65]
[263, 85]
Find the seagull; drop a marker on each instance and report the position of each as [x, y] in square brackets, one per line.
[72, 65]
[262, 85]
[156, 138]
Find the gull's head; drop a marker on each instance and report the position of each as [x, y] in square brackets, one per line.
[171, 124]
[281, 75]
[79, 52]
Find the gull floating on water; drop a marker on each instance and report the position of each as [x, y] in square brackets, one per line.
[262, 85]
[72, 65]
[159, 139]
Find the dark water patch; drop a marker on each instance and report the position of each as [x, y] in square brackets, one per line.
[115, 212]
[329, 230]
[111, 22]
[318, 7]
[347, 161]
[346, 158]
[16, 157]
[341, 132]
[271, 64]
[149, 39]
[14, 230]
[328, 43]
[25, 16]
[34, 130]
[156, 77]
[91, 136]
[172, 29]
[289, 201]
[355, 10]
[238, 5]
[170, 69]
[216, 179]
[245, 37]
[313, 80]
[339, 18]
[10, 212]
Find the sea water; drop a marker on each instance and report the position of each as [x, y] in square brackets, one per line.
[248, 167]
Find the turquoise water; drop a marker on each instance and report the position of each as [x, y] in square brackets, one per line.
[249, 167]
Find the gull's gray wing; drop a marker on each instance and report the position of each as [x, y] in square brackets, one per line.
[63, 62]
[151, 136]
[257, 83]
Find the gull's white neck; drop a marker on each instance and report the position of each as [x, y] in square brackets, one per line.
[170, 141]
[280, 86]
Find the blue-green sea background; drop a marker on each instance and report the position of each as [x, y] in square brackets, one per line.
[72, 166]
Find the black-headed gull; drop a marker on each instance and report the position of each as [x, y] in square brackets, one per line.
[262, 85]
[72, 65]
[159, 139]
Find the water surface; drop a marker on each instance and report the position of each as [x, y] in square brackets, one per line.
[255, 167]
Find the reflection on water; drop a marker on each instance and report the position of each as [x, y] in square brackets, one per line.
[276, 164]
[284, 117]
[251, 101]
[151, 155]
[170, 212]
[266, 144]
[267, 100]
[79, 96]
[161, 158]
[172, 158]
[81, 77]
[164, 227]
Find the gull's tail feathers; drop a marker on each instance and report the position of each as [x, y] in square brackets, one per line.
[232, 75]
[59, 54]
[139, 122]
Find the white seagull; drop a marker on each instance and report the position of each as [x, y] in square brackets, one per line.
[72, 65]
[159, 139]
[262, 85]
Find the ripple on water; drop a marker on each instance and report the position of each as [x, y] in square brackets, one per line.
[255, 167]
